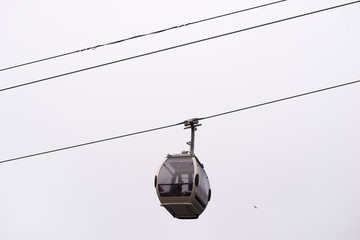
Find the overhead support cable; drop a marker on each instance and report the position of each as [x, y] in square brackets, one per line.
[186, 122]
[141, 35]
[90, 143]
[279, 100]
[178, 46]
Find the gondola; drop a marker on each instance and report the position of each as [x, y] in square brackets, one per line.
[182, 184]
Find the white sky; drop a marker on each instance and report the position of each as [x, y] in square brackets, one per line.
[298, 160]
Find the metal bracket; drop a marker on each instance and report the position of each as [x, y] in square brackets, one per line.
[192, 123]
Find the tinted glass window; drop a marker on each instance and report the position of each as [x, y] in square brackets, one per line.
[202, 190]
[176, 177]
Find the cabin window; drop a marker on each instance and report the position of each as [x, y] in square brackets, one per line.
[202, 190]
[176, 177]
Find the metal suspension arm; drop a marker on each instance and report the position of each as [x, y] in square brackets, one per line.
[192, 123]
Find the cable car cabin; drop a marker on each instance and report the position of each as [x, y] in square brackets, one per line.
[182, 186]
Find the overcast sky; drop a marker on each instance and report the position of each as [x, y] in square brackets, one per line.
[298, 161]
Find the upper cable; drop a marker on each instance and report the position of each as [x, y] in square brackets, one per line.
[138, 36]
[180, 45]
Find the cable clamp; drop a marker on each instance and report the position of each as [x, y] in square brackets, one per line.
[192, 123]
